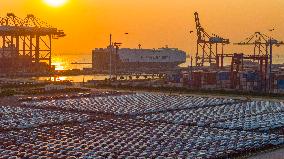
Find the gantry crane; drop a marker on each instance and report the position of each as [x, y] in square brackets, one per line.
[263, 45]
[259, 41]
[28, 38]
[206, 43]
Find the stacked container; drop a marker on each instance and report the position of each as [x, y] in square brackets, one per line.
[209, 80]
[247, 81]
[253, 81]
[250, 81]
[196, 80]
[243, 81]
[280, 83]
[175, 78]
[223, 79]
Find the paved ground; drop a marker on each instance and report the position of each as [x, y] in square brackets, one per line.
[277, 154]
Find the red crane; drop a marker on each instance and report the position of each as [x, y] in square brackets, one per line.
[206, 44]
[263, 46]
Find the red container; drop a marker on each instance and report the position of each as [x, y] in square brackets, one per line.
[279, 77]
[210, 78]
[197, 79]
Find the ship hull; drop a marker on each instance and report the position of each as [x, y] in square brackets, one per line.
[137, 59]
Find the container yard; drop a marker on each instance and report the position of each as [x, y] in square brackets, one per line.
[247, 81]
[138, 125]
[248, 72]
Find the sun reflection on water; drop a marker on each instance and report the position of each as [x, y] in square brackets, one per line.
[58, 66]
[57, 79]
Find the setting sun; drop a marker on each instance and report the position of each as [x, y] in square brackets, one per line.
[55, 3]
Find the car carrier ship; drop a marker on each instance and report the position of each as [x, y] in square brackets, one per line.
[137, 59]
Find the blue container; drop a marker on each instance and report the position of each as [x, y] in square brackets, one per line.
[252, 76]
[224, 76]
[244, 75]
[176, 78]
[280, 84]
[258, 87]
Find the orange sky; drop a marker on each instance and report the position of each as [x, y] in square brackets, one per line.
[153, 23]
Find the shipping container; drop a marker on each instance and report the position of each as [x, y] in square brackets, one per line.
[196, 79]
[175, 78]
[210, 78]
[280, 84]
[252, 76]
[223, 76]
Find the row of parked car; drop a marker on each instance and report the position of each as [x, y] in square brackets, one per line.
[255, 115]
[129, 138]
[69, 96]
[132, 104]
[20, 118]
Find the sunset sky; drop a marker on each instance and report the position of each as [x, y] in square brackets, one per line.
[152, 23]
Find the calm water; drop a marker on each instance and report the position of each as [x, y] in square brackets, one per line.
[79, 78]
[65, 61]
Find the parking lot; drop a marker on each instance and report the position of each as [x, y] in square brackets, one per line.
[254, 115]
[140, 125]
[132, 104]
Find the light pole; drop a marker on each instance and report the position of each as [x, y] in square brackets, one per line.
[117, 45]
[110, 53]
[111, 46]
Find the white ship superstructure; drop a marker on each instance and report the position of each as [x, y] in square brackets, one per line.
[127, 58]
[164, 55]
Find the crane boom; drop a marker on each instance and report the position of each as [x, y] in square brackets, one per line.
[205, 43]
